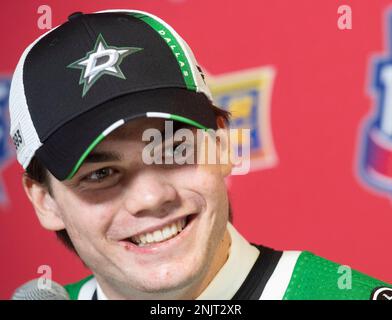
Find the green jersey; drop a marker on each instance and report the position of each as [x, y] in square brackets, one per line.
[287, 275]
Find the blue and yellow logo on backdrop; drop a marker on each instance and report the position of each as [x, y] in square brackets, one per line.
[5, 149]
[247, 95]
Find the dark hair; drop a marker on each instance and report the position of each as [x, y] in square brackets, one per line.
[38, 172]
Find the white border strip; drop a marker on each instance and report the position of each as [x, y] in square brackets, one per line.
[280, 279]
[113, 127]
[87, 290]
[158, 115]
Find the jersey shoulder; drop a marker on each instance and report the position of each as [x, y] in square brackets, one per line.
[314, 277]
[73, 289]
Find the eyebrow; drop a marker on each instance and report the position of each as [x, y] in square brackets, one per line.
[103, 156]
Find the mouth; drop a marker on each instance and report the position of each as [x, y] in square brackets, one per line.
[161, 235]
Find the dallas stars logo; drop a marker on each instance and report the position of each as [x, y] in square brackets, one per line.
[103, 59]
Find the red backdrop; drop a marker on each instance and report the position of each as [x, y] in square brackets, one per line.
[312, 199]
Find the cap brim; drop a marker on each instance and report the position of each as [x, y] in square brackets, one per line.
[64, 151]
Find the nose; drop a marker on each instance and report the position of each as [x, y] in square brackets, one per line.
[149, 193]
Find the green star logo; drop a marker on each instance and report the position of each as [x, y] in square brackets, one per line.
[103, 59]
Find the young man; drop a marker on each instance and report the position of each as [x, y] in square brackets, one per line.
[82, 97]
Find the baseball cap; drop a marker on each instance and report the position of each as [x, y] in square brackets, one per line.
[80, 81]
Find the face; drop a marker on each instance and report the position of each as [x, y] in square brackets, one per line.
[143, 229]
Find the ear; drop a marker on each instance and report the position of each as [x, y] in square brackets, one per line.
[224, 147]
[44, 204]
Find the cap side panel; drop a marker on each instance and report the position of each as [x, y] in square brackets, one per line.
[22, 129]
[199, 77]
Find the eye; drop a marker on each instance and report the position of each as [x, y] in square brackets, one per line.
[99, 175]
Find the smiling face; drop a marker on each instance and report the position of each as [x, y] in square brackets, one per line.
[144, 230]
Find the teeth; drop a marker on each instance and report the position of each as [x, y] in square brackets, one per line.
[149, 238]
[163, 234]
[166, 232]
[173, 228]
[158, 236]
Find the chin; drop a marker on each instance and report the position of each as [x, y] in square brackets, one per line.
[165, 279]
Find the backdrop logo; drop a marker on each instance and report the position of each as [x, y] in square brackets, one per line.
[247, 94]
[5, 150]
[375, 161]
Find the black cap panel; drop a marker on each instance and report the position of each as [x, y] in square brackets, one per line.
[56, 95]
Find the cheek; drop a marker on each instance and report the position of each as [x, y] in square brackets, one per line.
[84, 219]
[208, 183]
[204, 177]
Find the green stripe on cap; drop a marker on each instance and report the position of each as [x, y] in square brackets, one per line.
[118, 123]
[84, 155]
[188, 121]
[97, 140]
[174, 44]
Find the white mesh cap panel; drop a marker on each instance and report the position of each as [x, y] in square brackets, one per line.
[200, 84]
[21, 123]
